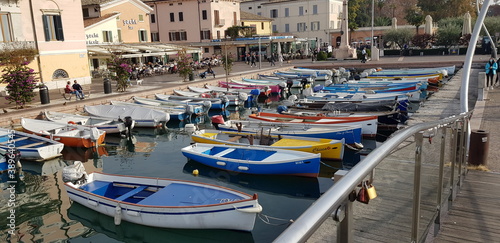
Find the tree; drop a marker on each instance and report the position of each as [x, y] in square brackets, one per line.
[449, 35]
[233, 32]
[382, 21]
[227, 62]
[184, 64]
[423, 40]
[415, 17]
[399, 36]
[21, 80]
[440, 9]
[353, 9]
[121, 70]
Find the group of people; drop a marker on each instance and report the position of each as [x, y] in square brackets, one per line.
[491, 68]
[75, 89]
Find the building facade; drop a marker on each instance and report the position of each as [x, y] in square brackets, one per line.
[262, 26]
[313, 19]
[132, 23]
[55, 29]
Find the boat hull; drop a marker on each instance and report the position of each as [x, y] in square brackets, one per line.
[250, 160]
[31, 147]
[227, 214]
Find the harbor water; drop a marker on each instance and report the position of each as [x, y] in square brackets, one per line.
[44, 212]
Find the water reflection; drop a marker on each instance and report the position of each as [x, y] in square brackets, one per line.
[129, 232]
[295, 186]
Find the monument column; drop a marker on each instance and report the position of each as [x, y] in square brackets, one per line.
[345, 51]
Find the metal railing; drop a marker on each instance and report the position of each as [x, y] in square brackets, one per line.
[411, 210]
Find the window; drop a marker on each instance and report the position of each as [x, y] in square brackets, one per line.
[5, 28]
[249, 7]
[258, 6]
[205, 35]
[287, 12]
[301, 11]
[86, 13]
[262, 25]
[206, 50]
[119, 33]
[274, 13]
[153, 18]
[315, 9]
[155, 37]
[143, 35]
[216, 17]
[275, 28]
[204, 14]
[177, 36]
[172, 17]
[315, 25]
[259, 13]
[287, 28]
[107, 36]
[53, 28]
[301, 27]
[141, 18]
[181, 16]
[235, 20]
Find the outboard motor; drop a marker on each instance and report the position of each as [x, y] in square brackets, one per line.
[216, 120]
[328, 82]
[243, 97]
[207, 104]
[225, 101]
[129, 124]
[13, 157]
[74, 173]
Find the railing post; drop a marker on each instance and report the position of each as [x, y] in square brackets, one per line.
[461, 154]
[344, 215]
[416, 186]
[437, 220]
[454, 152]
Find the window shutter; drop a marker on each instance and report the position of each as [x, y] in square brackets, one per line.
[46, 28]
[59, 28]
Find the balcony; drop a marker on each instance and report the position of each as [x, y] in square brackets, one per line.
[220, 22]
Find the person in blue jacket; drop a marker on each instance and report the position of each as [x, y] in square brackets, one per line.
[490, 69]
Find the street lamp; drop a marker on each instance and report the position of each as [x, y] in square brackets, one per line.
[226, 67]
[260, 58]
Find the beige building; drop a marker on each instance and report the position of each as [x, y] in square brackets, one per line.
[55, 28]
[261, 25]
[132, 23]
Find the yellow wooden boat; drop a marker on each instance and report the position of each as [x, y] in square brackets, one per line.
[331, 149]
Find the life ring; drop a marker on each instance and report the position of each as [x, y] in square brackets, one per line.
[71, 122]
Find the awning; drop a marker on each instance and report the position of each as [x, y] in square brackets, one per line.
[137, 50]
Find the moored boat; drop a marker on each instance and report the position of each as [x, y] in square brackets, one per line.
[107, 125]
[166, 203]
[71, 135]
[31, 147]
[143, 116]
[328, 148]
[254, 160]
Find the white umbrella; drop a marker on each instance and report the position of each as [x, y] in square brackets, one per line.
[306, 51]
[279, 48]
[428, 25]
[394, 23]
[466, 29]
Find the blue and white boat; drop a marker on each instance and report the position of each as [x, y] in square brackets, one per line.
[165, 203]
[175, 114]
[31, 146]
[254, 160]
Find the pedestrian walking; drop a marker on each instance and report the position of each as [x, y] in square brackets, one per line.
[490, 69]
[271, 60]
[280, 58]
[363, 55]
[252, 60]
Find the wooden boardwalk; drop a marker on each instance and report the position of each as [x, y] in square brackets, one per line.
[475, 214]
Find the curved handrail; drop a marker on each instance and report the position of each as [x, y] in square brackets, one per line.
[328, 203]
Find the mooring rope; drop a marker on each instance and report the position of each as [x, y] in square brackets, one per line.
[266, 219]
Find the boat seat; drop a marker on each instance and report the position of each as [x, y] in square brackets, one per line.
[15, 140]
[130, 193]
[224, 152]
[31, 145]
[297, 120]
[234, 139]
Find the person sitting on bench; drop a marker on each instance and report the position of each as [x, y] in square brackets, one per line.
[79, 90]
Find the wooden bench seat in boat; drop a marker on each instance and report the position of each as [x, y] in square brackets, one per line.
[31, 145]
[234, 139]
[130, 193]
[15, 140]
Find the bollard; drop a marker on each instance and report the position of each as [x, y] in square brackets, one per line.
[107, 86]
[479, 146]
[44, 94]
